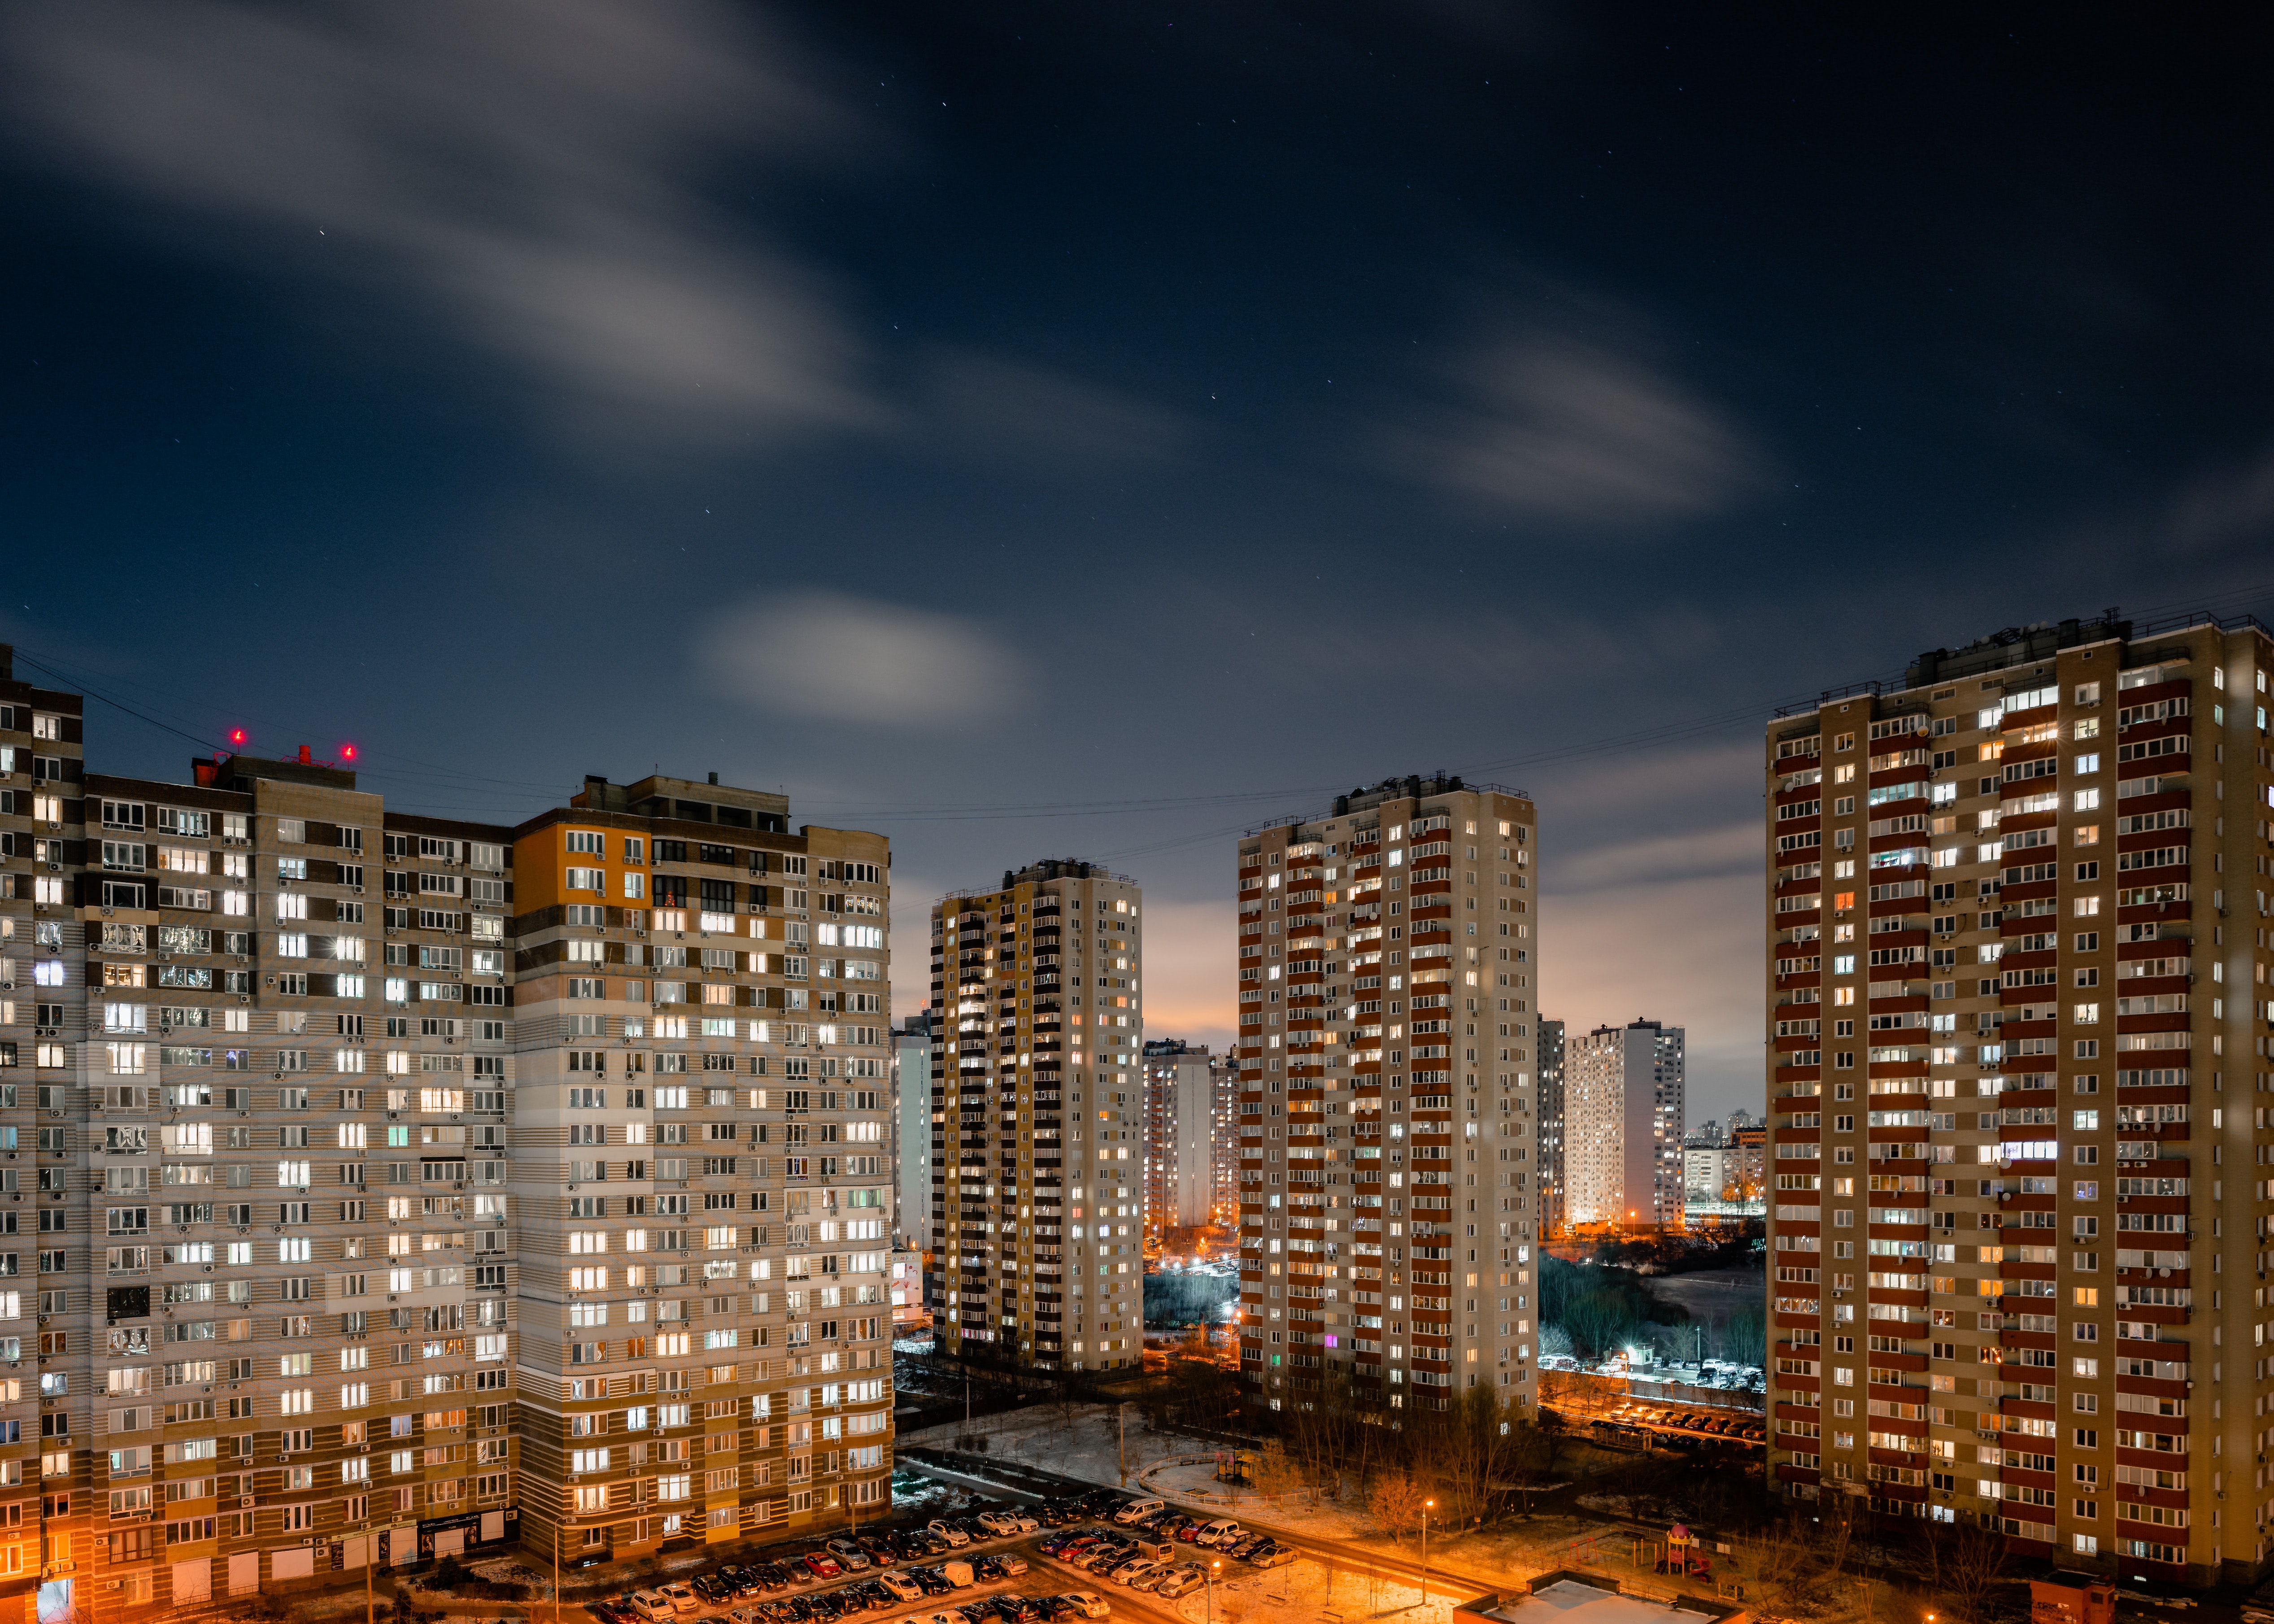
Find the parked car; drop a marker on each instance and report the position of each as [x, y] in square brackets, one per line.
[930, 1581]
[900, 1585]
[1013, 1564]
[948, 1531]
[1150, 1579]
[999, 1523]
[1182, 1581]
[821, 1565]
[1137, 1509]
[712, 1588]
[1090, 1605]
[684, 1598]
[1123, 1573]
[1223, 1530]
[1276, 1556]
[1058, 1609]
[957, 1573]
[848, 1553]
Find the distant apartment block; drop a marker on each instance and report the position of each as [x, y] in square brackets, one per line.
[1623, 1110]
[1180, 1134]
[1223, 1152]
[1553, 1177]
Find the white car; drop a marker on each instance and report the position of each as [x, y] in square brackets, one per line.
[955, 1536]
[1224, 1531]
[901, 1585]
[1137, 1508]
[1028, 1523]
[1089, 1604]
[999, 1522]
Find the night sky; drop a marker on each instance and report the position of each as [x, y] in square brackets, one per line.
[1092, 430]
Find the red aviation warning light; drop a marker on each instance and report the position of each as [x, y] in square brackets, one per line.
[236, 736]
[347, 752]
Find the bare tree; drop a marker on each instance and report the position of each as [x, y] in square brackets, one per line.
[1779, 1553]
[1277, 1474]
[1973, 1559]
[1394, 1501]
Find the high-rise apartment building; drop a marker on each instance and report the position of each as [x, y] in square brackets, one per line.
[2020, 949]
[1624, 1106]
[1552, 1218]
[1038, 1119]
[1387, 974]
[1223, 1152]
[912, 1046]
[47, 1483]
[321, 1258]
[705, 1330]
[1179, 1135]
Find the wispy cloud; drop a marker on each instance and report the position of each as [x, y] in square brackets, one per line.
[820, 656]
[2216, 511]
[526, 171]
[1729, 849]
[1575, 433]
[976, 406]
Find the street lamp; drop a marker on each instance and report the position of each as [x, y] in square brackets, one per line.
[1428, 1506]
[1213, 1567]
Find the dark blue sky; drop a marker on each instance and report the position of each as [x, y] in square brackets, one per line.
[1089, 430]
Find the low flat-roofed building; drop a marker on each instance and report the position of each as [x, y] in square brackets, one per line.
[1565, 1597]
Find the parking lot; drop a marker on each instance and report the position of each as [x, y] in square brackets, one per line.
[1065, 1552]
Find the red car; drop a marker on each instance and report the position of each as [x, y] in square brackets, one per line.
[821, 1565]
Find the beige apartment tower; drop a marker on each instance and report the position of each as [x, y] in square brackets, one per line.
[1038, 1119]
[397, 1187]
[1624, 1108]
[705, 1201]
[1387, 979]
[2020, 1104]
